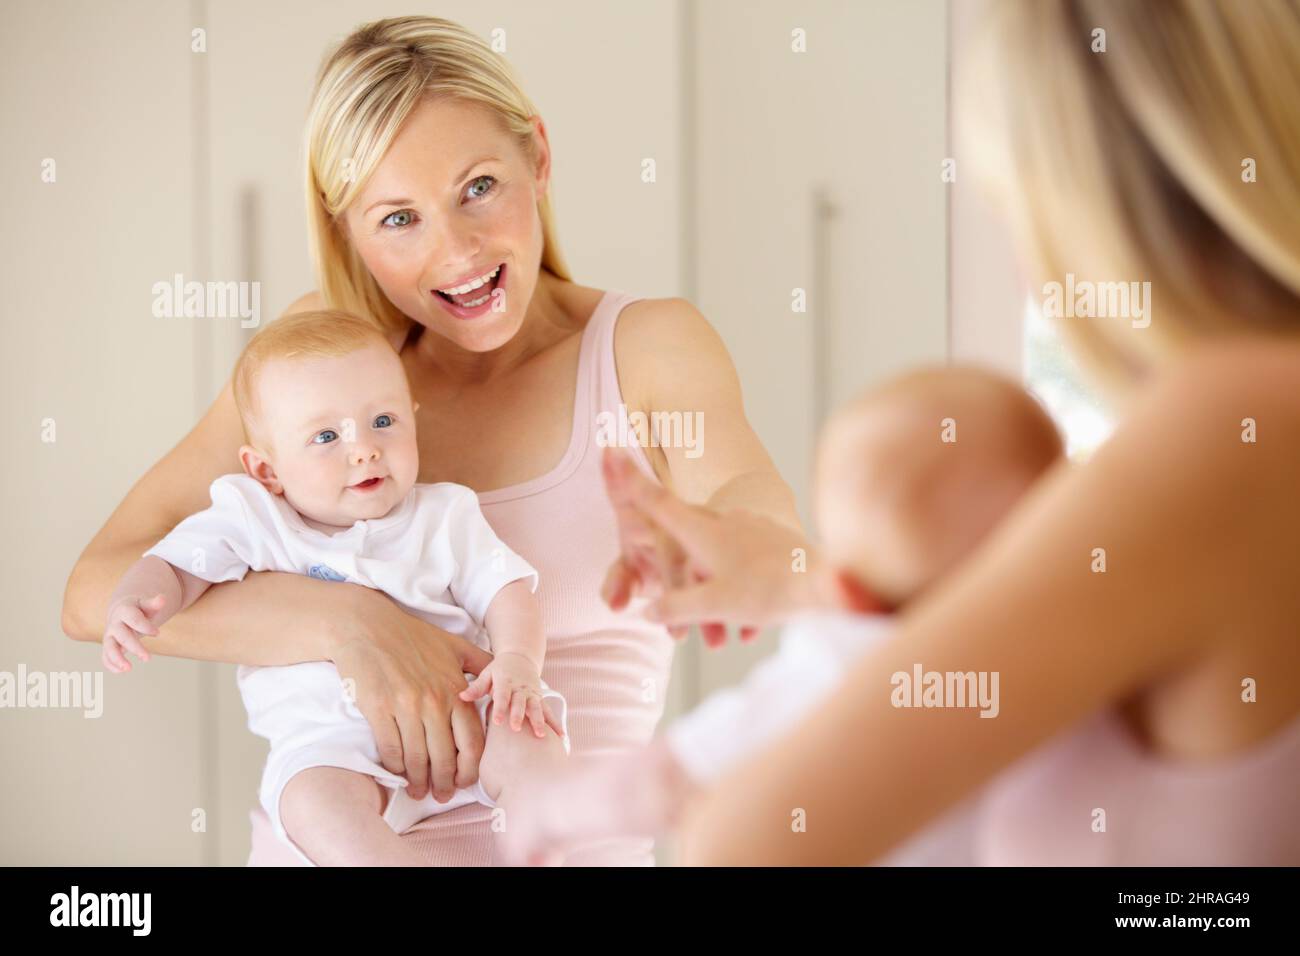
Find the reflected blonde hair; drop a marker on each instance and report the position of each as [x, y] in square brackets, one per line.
[367, 87]
[320, 333]
[1127, 165]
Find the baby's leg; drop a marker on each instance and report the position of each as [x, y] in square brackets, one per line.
[511, 758]
[335, 817]
[513, 761]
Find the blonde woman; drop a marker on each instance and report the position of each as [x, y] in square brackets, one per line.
[427, 185]
[1141, 610]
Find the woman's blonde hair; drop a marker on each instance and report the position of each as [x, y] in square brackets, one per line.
[365, 90]
[321, 333]
[1134, 164]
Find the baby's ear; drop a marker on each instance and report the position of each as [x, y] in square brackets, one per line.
[849, 594]
[259, 469]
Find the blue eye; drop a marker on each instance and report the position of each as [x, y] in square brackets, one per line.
[383, 421]
[479, 179]
[401, 212]
[322, 434]
[408, 215]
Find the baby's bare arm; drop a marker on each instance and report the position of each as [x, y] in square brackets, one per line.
[152, 575]
[514, 622]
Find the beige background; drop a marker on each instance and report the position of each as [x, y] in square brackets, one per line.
[776, 170]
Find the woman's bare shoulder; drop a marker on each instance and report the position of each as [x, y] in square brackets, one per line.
[661, 341]
[1218, 430]
[667, 323]
[1240, 382]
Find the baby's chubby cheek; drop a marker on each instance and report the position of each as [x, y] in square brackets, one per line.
[311, 500]
[404, 464]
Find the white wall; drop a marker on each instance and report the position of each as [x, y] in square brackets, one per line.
[859, 119]
[78, 257]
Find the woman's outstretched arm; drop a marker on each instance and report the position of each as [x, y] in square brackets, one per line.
[1200, 532]
[408, 673]
[674, 365]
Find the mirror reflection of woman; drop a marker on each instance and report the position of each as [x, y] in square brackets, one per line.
[1166, 690]
[427, 169]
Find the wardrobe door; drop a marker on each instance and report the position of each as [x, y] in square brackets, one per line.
[819, 212]
[96, 180]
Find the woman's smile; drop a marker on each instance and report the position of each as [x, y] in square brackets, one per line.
[475, 301]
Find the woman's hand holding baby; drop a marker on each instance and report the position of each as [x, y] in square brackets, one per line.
[407, 675]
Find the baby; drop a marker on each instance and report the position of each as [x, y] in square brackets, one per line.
[910, 478]
[329, 490]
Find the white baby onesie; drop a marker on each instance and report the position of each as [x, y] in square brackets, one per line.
[434, 554]
[816, 652]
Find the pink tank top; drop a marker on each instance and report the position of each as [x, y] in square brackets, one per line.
[1240, 810]
[612, 668]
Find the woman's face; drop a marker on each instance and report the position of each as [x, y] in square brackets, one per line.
[453, 199]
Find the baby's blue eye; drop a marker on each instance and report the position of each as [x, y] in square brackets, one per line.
[330, 432]
[383, 421]
[397, 225]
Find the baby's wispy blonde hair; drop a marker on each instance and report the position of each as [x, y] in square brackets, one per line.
[320, 333]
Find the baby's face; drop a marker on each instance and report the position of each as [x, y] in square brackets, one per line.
[341, 433]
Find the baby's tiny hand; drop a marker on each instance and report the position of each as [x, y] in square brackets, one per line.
[128, 619]
[516, 689]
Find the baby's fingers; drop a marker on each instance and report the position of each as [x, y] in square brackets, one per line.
[536, 717]
[500, 702]
[518, 706]
[131, 641]
[479, 686]
[136, 619]
[113, 658]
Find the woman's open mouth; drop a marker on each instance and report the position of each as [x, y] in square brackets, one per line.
[476, 301]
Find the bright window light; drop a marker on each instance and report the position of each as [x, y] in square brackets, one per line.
[1052, 375]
